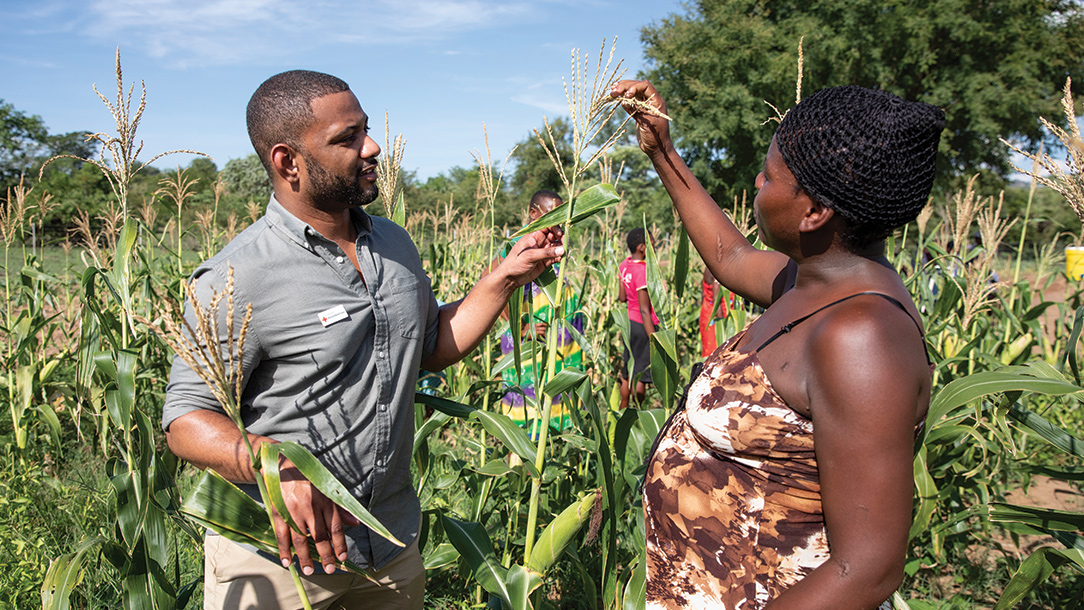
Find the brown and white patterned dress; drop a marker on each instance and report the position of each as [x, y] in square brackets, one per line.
[732, 500]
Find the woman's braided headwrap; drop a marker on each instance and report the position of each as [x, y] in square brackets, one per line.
[867, 154]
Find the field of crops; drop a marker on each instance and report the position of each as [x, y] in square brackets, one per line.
[99, 514]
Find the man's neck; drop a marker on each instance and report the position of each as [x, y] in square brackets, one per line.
[336, 225]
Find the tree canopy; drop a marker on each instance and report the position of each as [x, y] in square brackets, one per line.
[994, 67]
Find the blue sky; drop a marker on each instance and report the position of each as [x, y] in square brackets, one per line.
[439, 68]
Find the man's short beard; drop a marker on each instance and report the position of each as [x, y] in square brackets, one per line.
[327, 188]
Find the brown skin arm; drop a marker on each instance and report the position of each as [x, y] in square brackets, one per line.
[209, 439]
[864, 452]
[645, 310]
[755, 274]
[464, 324]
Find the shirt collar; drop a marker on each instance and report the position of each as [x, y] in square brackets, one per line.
[298, 230]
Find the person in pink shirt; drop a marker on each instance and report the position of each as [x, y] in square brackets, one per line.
[642, 318]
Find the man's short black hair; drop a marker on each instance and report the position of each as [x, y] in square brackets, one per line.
[635, 239]
[281, 109]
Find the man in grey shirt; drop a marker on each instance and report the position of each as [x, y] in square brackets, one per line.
[343, 319]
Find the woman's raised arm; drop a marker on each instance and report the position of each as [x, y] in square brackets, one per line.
[757, 275]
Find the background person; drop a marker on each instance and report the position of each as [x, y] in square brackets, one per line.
[800, 430]
[642, 318]
[713, 308]
[537, 315]
[343, 319]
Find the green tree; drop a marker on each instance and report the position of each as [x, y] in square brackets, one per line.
[532, 167]
[23, 141]
[993, 66]
[246, 179]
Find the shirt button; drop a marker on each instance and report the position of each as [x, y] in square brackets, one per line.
[383, 407]
[379, 462]
[339, 259]
[380, 354]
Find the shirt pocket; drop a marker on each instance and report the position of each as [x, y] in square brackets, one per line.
[407, 298]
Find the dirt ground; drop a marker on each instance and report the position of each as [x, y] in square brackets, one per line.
[1043, 492]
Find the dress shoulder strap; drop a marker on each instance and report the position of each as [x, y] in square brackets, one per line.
[788, 327]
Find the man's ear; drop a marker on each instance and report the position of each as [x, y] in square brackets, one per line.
[285, 163]
[816, 216]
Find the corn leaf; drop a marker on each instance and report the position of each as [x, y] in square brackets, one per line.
[269, 461]
[64, 574]
[664, 370]
[587, 204]
[326, 482]
[431, 425]
[656, 285]
[1045, 519]
[635, 597]
[565, 380]
[1034, 570]
[527, 352]
[398, 215]
[966, 389]
[474, 546]
[681, 263]
[926, 490]
[515, 326]
[443, 555]
[1057, 437]
[513, 437]
[521, 583]
[448, 407]
[219, 505]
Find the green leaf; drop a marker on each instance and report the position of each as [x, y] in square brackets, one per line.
[269, 461]
[398, 215]
[1057, 437]
[681, 263]
[651, 420]
[565, 380]
[635, 597]
[926, 490]
[64, 574]
[515, 314]
[449, 407]
[966, 389]
[434, 423]
[656, 285]
[326, 482]
[1046, 519]
[513, 437]
[664, 370]
[122, 258]
[494, 468]
[587, 204]
[521, 583]
[474, 546]
[443, 555]
[219, 505]
[547, 281]
[1034, 570]
[553, 540]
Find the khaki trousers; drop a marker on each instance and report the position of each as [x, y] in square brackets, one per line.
[238, 579]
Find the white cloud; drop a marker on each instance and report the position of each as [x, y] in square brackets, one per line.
[195, 32]
[547, 97]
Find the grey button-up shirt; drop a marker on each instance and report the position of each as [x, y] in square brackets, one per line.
[331, 361]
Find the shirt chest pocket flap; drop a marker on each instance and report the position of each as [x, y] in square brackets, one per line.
[406, 306]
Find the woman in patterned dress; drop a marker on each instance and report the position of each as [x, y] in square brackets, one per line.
[787, 480]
